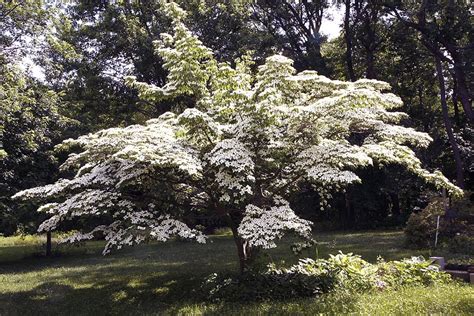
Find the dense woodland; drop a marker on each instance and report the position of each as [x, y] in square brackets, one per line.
[423, 49]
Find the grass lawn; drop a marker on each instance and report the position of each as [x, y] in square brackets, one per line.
[165, 279]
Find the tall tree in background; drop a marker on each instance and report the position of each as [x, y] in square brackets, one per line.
[295, 24]
[445, 28]
[367, 20]
[363, 34]
[31, 122]
[98, 44]
[407, 63]
[349, 39]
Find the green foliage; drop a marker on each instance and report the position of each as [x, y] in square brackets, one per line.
[409, 272]
[421, 227]
[31, 120]
[462, 243]
[456, 230]
[31, 124]
[255, 286]
[340, 273]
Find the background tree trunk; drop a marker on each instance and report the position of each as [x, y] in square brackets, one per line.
[48, 244]
[395, 204]
[455, 103]
[448, 125]
[348, 39]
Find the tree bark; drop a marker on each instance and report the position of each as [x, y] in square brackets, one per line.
[463, 93]
[455, 103]
[370, 19]
[348, 39]
[460, 77]
[424, 118]
[448, 125]
[243, 251]
[432, 41]
[370, 59]
[48, 244]
[350, 218]
[395, 204]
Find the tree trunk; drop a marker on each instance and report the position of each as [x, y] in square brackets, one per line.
[462, 90]
[395, 204]
[424, 117]
[350, 218]
[448, 125]
[455, 104]
[463, 94]
[370, 59]
[243, 251]
[348, 39]
[48, 244]
[371, 18]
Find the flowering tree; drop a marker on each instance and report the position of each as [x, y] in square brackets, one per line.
[247, 142]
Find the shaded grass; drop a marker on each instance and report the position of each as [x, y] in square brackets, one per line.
[166, 278]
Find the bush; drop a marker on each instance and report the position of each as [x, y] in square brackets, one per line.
[414, 271]
[456, 230]
[421, 227]
[341, 272]
[462, 243]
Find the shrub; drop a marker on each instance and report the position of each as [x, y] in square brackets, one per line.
[456, 230]
[271, 284]
[341, 272]
[414, 271]
[421, 227]
[463, 243]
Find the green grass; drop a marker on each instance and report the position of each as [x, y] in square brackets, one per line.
[165, 279]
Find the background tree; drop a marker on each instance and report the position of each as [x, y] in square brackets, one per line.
[444, 26]
[403, 59]
[31, 122]
[295, 25]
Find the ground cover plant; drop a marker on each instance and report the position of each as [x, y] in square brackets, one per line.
[311, 278]
[166, 278]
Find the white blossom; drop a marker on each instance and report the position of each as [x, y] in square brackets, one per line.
[261, 227]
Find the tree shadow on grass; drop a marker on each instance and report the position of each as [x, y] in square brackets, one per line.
[140, 280]
[123, 290]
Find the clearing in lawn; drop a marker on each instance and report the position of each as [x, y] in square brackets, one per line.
[166, 278]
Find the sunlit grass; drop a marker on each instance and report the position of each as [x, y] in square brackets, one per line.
[166, 278]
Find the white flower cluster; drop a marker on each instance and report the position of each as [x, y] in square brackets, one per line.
[234, 167]
[261, 227]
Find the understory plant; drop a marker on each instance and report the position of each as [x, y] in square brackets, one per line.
[456, 225]
[346, 273]
[239, 143]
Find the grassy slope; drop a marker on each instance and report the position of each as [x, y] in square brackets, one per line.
[165, 278]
